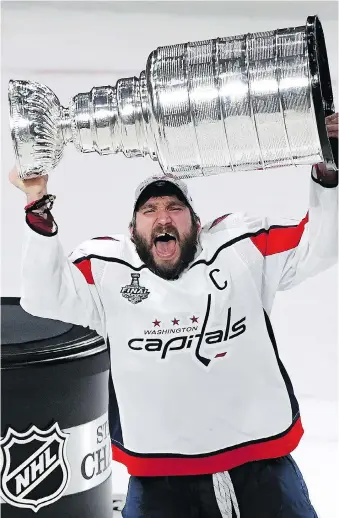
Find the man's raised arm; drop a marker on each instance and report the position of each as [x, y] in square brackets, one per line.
[52, 285]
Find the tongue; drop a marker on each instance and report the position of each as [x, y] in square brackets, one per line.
[165, 248]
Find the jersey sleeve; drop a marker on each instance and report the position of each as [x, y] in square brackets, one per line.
[56, 286]
[296, 250]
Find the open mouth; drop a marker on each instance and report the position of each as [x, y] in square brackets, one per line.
[165, 245]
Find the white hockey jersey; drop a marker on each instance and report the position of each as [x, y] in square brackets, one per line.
[195, 368]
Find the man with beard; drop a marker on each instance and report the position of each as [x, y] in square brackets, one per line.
[205, 416]
[165, 227]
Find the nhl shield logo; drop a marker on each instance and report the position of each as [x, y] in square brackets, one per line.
[134, 292]
[34, 468]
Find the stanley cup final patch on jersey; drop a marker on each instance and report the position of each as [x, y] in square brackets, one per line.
[34, 468]
[133, 292]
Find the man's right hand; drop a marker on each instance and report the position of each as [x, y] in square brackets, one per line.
[34, 188]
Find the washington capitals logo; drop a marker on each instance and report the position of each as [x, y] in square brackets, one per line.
[134, 292]
[206, 344]
[34, 467]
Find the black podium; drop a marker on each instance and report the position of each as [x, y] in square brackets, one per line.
[55, 443]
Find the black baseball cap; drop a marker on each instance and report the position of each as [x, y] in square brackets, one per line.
[163, 185]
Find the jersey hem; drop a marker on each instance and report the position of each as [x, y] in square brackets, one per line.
[173, 466]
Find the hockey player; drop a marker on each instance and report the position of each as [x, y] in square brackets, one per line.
[205, 416]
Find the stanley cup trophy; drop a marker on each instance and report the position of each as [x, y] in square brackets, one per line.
[239, 103]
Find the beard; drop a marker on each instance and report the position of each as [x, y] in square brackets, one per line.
[188, 248]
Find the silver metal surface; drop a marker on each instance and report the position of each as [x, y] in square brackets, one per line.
[87, 454]
[248, 102]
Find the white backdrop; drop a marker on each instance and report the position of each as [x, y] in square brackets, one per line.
[73, 46]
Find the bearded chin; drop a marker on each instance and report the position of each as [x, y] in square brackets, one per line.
[171, 272]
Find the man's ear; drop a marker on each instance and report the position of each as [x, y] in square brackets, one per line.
[131, 230]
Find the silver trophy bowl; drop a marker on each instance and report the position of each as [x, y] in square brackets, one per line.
[247, 102]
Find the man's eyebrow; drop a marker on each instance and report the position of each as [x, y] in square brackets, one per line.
[153, 205]
[175, 202]
[147, 205]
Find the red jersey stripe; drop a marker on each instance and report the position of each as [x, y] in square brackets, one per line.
[218, 220]
[171, 466]
[39, 222]
[104, 238]
[85, 268]
[280, 239]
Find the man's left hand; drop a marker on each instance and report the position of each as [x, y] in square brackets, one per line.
[332, 125]
[329, 177]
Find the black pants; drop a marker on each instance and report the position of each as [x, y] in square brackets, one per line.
[271, 488]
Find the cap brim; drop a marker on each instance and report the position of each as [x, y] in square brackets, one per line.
[160, 188]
